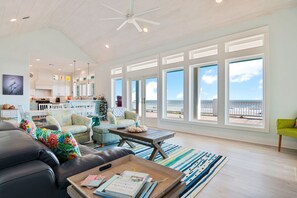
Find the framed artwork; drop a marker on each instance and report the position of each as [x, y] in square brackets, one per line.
[12, 85]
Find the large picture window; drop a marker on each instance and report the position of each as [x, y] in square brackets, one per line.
[175, 94]
[245, 97]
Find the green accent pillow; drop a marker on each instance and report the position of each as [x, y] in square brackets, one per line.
[61, 143]
[29, 126]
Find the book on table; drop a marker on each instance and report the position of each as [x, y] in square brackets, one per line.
[129, 184]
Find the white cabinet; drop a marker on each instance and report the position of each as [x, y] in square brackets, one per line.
[61, 88]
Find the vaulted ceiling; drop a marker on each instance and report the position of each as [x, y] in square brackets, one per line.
[80, 21]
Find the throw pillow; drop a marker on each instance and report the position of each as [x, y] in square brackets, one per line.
[296, 123]
[28, 125]
[61, 143]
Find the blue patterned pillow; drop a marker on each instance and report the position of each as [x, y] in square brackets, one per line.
[118, 111]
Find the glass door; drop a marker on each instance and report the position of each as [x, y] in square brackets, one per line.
[144, 99]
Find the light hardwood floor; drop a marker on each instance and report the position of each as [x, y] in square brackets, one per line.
[252, 170]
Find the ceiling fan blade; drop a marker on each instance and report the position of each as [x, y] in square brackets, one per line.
[122, 25]
[137, 26]
[132, 3]
[146, 12]
[147, 21]
[115, 18]
[113, 9]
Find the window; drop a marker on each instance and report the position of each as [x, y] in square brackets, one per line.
[84, 90]
[117, 70]
[173, 58]
[118, 93]
[77, 90]
[136, 96]
[91, 89]
[203, 52]
[205, 93]
[142, 65]
[245, 97]
[174, 104]
[151, 98]
[245, 43]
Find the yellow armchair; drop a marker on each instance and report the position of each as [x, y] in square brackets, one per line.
[285, 127]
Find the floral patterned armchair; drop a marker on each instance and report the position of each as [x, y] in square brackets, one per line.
[120, 116]
[68, 121]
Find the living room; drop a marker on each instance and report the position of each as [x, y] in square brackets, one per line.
[212, 78]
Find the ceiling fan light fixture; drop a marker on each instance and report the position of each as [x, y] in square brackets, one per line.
[107, 46]
[132, 17]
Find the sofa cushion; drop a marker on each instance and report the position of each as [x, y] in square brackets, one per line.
[28, 125]
[17, 147]
[5, 126]
[47, 156]
[61, 143]
[62, 116]
[52, 121]
[74, 129]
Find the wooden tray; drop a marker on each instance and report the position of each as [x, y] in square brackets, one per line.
[169, 178]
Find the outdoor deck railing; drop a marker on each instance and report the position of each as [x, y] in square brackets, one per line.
[238, 108]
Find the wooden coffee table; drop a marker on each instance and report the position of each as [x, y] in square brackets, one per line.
[169, 186]
[152, 137]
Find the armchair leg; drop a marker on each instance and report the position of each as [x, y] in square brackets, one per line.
[279, 142]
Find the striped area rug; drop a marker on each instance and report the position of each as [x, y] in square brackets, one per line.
[199, 166]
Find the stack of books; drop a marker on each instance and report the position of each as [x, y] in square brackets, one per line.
[92, 181]
[129, 184]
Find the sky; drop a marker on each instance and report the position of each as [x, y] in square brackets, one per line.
[246, 82]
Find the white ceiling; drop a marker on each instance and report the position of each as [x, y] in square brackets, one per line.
[79, 20]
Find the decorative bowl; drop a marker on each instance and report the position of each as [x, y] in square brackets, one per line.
[134, 129]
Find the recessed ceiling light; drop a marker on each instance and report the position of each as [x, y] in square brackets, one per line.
[219, 1]
[37, 59]
[145, 29]
[30, 65]
[12, 20]
[107, 46]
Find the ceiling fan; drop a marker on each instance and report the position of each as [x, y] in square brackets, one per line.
[131, 17]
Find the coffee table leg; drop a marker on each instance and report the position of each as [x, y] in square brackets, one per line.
[123, 141]
[158, 148]
[153, 155]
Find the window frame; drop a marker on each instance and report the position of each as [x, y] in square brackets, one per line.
[164, 95]
[227, 91]
[191, 92]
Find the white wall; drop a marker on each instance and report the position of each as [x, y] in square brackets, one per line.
[282, 76]
[15, 54]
